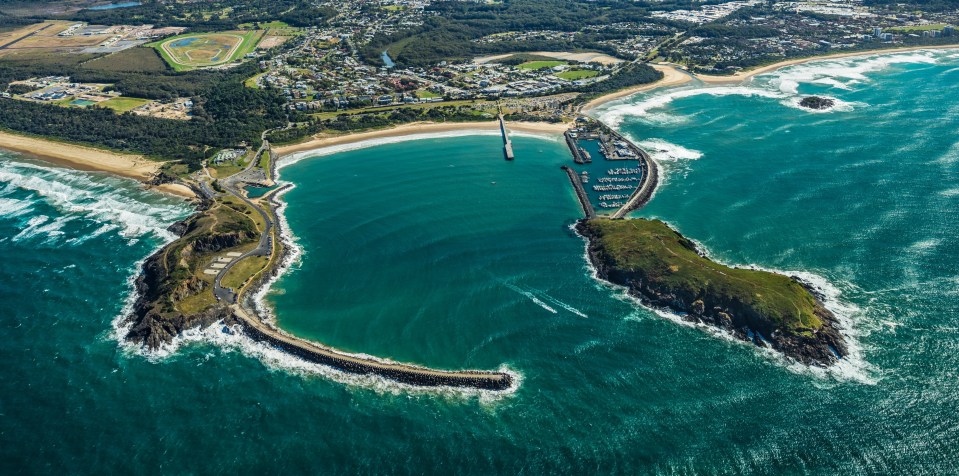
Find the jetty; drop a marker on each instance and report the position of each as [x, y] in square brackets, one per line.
[571, 143]
[507, 143]
[584, 202]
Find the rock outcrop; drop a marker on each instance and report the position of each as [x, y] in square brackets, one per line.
[817, 102]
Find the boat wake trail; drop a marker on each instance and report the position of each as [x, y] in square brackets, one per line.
[544, 300]
[532, 297]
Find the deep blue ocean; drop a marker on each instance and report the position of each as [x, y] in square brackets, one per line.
[438, 252]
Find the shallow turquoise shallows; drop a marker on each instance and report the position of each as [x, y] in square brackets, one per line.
[438, 252]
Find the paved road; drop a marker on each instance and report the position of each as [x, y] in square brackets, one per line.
[263, 248]
[24, 37]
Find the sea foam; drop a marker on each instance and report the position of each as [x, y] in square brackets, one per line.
[133, 213]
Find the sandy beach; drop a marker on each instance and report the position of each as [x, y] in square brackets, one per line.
[322, 141]
[742, 76]
[671, 77]
[92, 159]
[81, 157]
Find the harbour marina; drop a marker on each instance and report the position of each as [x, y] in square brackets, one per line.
[611, 189]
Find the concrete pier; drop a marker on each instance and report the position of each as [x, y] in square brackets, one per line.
[507, 143]
[584, 202]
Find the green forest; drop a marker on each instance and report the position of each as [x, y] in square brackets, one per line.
[449, 33]
[199, 16]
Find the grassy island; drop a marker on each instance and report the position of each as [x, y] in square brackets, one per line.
[665, 269]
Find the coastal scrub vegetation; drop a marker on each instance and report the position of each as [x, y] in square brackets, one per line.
[651, 251]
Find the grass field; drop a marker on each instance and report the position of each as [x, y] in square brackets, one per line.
[575, 74]
[243, 270]
[201, 50]
[427, 94]
[534, 65]
[251, 82]
[665, 260]
[123, 104]
[907, 29]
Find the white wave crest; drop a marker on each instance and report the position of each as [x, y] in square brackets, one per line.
[838, 105]
[615, 114]
[134, 213]
[665, 151]
[853, 367]
[843, 73]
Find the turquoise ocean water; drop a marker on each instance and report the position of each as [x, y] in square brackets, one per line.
[438, 252]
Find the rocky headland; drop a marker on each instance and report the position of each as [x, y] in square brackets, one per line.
[663, 269]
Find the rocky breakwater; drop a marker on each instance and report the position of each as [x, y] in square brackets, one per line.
[664, 269]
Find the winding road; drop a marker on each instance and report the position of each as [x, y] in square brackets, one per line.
[265, 245]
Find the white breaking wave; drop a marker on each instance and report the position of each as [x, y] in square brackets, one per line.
[615, 114]
[782, 84]
[12, 208]
[233, 339]
[79, 194]
[838, 105]
[841, 73]
[853, 367]
[664, 151]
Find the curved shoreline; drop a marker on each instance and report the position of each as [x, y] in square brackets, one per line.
[744, 75]
[672, 76]
[258, 323]
[410, 131]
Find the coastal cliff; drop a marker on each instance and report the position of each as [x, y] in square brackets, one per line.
[166, 282]
[664, 269]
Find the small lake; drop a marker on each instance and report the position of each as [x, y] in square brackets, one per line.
[115, 5]
[387, 60]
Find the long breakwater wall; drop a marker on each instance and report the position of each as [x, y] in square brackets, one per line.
[647, 186]
[403, 373]
[584, 202]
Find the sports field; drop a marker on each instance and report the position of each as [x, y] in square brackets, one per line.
[534, 65]
[202, 50]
